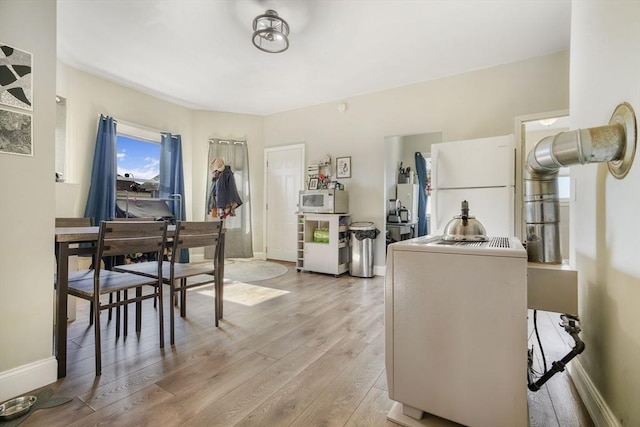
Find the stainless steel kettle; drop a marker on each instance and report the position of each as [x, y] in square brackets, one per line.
[465, 227]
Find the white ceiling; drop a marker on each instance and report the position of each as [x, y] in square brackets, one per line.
[198, 53]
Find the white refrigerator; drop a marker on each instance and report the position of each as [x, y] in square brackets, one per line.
[480, 171]
[408, 196]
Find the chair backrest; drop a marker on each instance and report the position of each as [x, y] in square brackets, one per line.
[131, 218]
[126, 237]
[196, 234]
[74, 222]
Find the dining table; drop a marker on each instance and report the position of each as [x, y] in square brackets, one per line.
[71, 241]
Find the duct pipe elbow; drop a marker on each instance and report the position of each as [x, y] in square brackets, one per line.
[614, 143]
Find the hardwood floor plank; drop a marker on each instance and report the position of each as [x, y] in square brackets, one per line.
[336, 404]
[381, 383]
[196, 399]
[562, 393]
[62, 415]
[372, 411]
[201, 370]
[132, 407]
[306, 332]
[231, 408]
[288, 403]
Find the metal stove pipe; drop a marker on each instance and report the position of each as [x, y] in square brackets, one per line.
[613, 143]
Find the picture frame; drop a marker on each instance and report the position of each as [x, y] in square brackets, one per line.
[313, 184]
[343, 167]
[16, 133]
[16, 82]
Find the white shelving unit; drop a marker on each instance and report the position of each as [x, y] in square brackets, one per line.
[330, 256]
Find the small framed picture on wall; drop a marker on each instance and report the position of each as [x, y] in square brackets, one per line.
[313, 184]
[343, 167]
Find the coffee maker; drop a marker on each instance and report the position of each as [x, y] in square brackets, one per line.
[404, 214]
[393, 211]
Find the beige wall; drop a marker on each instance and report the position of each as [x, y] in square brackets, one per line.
[473, 105]
[26, 211]
[605, 70]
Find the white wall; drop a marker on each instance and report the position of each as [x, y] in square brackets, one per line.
[605, 71]
[27, 212]
[473, 105]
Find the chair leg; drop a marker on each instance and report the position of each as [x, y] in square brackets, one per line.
[125, 314]
[215, 304]
[110, 302]
[91, 314]
[172, 297]
[138, 310]
[160, 314]
[98, 351]
[118, 316]
[183, 297]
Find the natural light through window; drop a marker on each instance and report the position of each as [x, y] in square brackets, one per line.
[138, 158]
[244, 293]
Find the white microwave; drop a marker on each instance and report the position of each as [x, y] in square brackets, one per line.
[323, 201]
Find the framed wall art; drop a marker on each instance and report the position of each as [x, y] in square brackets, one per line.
[343, 167]
[16, 133]
[16, 77]
[313, 184]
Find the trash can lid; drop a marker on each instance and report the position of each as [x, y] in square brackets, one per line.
[362, 226]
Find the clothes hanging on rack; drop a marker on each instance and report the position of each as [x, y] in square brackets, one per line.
[215, 168]
[212, 207]
[225, 194]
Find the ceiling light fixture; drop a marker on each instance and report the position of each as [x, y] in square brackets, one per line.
[547, 122]
[270, 32]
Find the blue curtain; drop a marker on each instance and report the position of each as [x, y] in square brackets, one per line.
[101, 201]
[172, 179]
[421, 168]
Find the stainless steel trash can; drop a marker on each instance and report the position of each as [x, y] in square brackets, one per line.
[362, 236]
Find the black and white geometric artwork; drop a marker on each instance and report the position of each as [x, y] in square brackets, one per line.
[15, 77]
[15, 133]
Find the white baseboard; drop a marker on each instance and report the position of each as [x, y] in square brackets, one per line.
[600, 412]
[25, 378]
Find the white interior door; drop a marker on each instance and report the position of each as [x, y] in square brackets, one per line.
[284, 177]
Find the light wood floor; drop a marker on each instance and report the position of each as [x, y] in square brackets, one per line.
[311, 356]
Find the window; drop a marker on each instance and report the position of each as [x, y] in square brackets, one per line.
[564, 184]
[138, 160]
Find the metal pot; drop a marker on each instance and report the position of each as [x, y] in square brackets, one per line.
[465, 227]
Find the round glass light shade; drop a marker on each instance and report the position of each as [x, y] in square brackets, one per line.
[270, 32]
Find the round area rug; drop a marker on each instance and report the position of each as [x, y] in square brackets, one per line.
[252, 270]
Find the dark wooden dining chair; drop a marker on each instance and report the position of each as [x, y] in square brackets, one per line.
[188, 234]
[120, 238]
[126, 260]
[76, 275]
